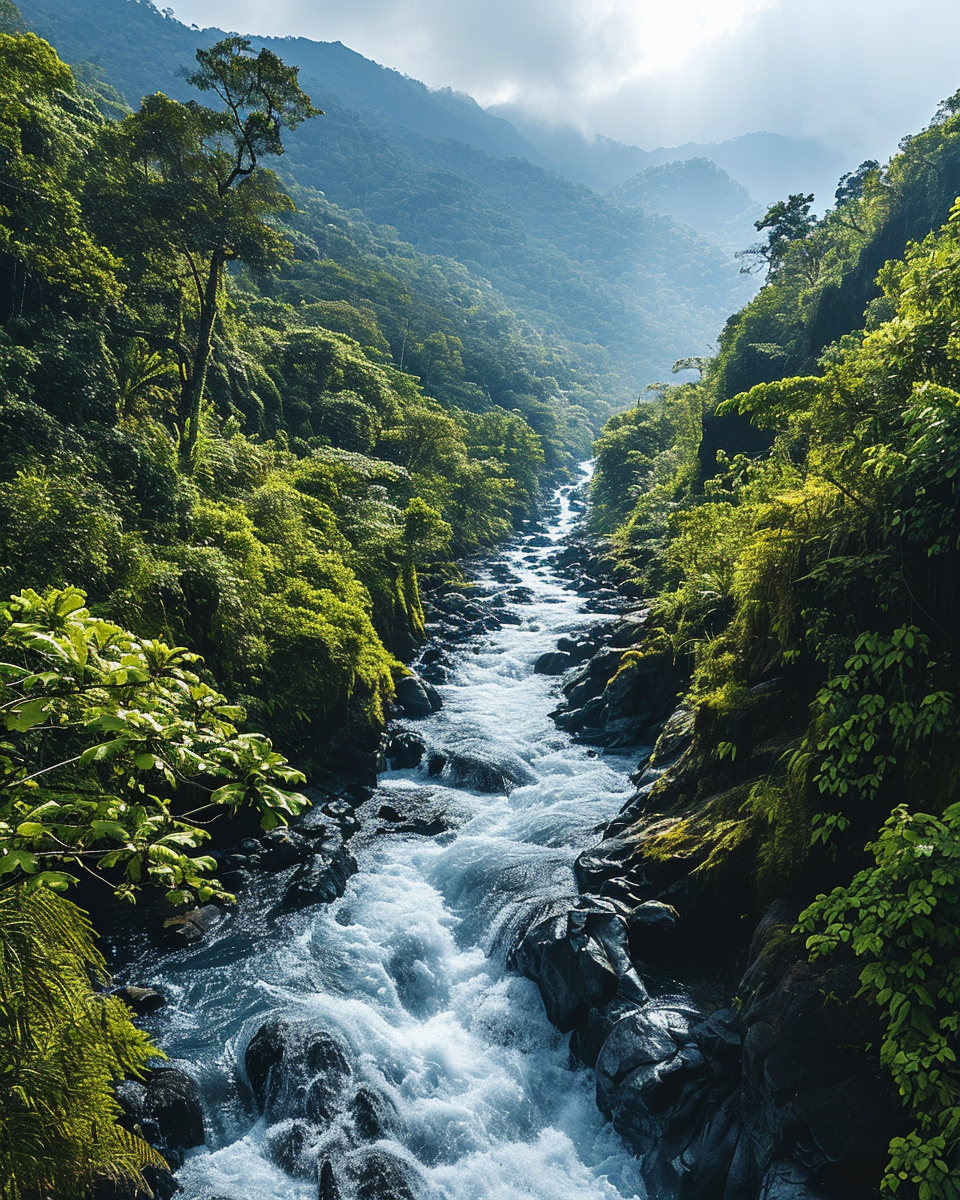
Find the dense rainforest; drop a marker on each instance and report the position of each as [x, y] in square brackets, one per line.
[626, 290]
[243, 419]
[230, 420]
[794, 518]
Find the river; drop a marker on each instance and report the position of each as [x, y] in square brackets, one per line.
[408, 971]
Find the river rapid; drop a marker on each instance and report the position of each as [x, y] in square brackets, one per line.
[408, 970]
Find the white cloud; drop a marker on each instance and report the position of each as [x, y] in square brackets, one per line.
[854, 73]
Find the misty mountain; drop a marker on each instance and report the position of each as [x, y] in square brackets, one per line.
[456, 181]
[769, 165]
[695, 192]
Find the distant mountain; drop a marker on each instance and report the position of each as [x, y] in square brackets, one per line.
[597, 162]
[695, 192]
[769, 165]
[626, 284]
[144, 50]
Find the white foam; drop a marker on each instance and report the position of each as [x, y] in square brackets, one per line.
[399, 969]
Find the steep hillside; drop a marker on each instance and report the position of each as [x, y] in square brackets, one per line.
[450, 178]
[698, 193]
[808, 596]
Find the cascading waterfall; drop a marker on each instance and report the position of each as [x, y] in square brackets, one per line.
[443, 1077]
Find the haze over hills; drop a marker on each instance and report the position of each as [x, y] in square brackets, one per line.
[769, 165]
[457, 181]
[698, 193]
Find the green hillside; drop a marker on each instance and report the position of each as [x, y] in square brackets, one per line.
[808, 594]
[695, 192]
[458, 182]
[241, 465]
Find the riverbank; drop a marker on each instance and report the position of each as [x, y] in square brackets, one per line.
[734, 1067]
[508, 836]
[406, 975]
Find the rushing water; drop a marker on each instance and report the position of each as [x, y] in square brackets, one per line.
[408, 969]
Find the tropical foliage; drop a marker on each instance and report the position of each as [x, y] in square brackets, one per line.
[62, 1046]
[823, 576]
[203, 423]
[204, 428]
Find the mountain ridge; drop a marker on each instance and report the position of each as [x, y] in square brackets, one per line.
[456, 181]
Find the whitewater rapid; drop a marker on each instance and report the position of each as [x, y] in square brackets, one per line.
[408, 969]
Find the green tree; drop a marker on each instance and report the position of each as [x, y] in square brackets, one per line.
[188, 182]
[787, 222]
[46, 133]
[114, 751]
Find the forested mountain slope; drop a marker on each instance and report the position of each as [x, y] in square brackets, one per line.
[455, 181]
[241, 465]
[808, 594]
[698, 193]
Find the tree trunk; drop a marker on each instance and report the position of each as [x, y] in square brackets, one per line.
[191, 396]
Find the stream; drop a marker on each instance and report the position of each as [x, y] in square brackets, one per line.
[449, 1082]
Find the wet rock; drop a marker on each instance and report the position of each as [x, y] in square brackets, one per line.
[506, 617]
[640, 1101]
[380, 1175]
[554, 662]
[142, 999]
[586, 688]
[588, 1038]
[320, 880]
[327, 1185]
[697, 1139]
[610, 866]
[579, 649]
[789, 1181]
[265, 1052]
[291, 1147]
[374, 1117]
[640, 1039]
[282, 848]
[630, 628]
[170, 1103]
[604, 663]
[343, 814]
[405, 750]
[425, 811]
[652, 929]
[236, 880]
[580, 720]
[296, 1071]
[417, 698]
[720, 1037]
[194, 925]
[575, 971]
[485, 768]
[327, 1062]
[804, 1083]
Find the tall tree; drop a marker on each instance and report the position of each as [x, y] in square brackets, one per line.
[188, 180]
[787, 222]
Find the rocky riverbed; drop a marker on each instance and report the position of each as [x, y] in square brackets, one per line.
[371, 1021]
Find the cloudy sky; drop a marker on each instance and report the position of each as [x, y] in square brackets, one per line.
[856, 74]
